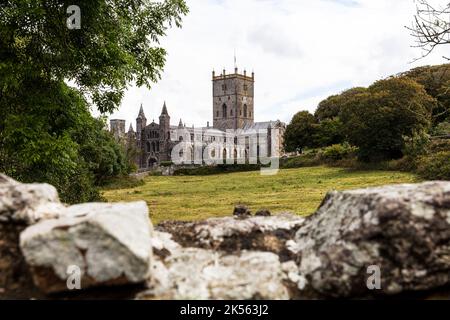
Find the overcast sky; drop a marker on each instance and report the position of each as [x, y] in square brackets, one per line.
[300, 50]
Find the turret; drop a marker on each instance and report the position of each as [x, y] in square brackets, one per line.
[141, 122]
[164, 123]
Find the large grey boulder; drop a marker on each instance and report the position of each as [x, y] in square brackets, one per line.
[28, 203]
[403, 231]
[232, 234]
[108, 243]
[192, 273]
[21, 205]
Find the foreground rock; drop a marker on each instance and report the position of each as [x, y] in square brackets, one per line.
[194, 273]
[398, 234]
[232, 234]
[109, 244]
[20, 206]
[403, 230]
[28, 203]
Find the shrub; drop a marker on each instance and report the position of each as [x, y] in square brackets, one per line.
[338, 152]
[442, 129]
[304, 160]
[217, 169]
[435, 166]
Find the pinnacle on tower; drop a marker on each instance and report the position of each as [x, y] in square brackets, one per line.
[141, 112]
[180, 124]
[164, 109]
[131, 128]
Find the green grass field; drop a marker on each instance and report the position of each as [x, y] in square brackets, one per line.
[296, 190]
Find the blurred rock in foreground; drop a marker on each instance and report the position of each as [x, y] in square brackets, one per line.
[369, 243]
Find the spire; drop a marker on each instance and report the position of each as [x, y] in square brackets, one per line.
[180, 125]
[164, 109]
[141, 113]
[131, 128]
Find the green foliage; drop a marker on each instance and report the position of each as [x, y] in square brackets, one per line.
[436, 81]
[118, 43]
[47, 133]
[331, 106]
[416, 144]
[376, 121]
[328, 132]
[338, 152]
[442, 129]
[216, 169]
[50, 136]
[435, 166]
[299, 133]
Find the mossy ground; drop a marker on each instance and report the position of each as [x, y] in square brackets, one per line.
[298, 190]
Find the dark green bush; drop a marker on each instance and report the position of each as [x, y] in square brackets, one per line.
[217, 169]
[435, 166]
[338, 152]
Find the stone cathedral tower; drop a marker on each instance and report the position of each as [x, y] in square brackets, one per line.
[233, 100]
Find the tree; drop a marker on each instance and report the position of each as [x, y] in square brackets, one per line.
[431, 26]
[331, 106]
[52, 137]
[436, 81]
[118, 43]
[328, 132]
[378, 120]
[299, 132]
[47, 133]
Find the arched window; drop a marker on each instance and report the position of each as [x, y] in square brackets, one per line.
[153, 146]
[217, 114]
[157, 146]
[148, 146]
[245, 111]
[231, 112]
[224, 111]
[224, 154]
[180, 138]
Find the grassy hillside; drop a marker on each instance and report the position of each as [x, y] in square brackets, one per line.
[297, 190]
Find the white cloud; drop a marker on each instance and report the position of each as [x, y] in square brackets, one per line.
[301, 52]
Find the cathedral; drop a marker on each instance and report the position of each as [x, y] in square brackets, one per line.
[234, 134]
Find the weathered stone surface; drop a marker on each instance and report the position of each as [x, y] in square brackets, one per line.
[402, 229]
[28, 203]
[232, 234]
[192, 273]
[110, 243]
[163, 245]
[15, 280]
[21, 205]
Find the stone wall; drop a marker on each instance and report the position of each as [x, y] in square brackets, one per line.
[403, 230]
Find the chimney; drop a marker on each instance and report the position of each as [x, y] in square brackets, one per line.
[213, 74]
[245, 73]
[235, 70]
[207, 124]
